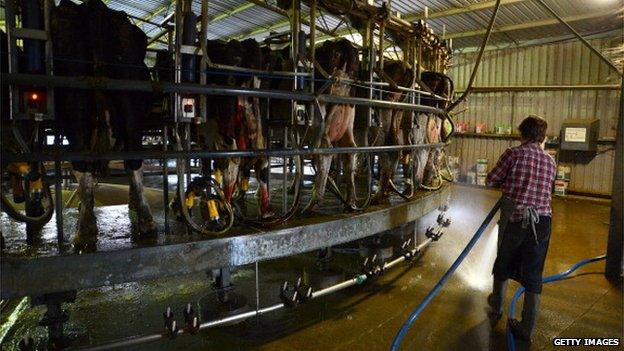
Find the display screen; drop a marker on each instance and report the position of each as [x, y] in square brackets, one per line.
[575, 135]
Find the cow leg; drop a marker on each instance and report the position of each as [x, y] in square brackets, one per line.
[388, 161]
[230, 177]
[138, 207]
[430, 172]
[86, 231]
[261, 166]
[348, 140]
[421, 155]
[323, 165]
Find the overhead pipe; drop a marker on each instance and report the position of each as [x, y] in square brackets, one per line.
[473, 75]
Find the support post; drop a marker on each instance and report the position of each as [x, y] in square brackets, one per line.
[615, 265]
[165, 172]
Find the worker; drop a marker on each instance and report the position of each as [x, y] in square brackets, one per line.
[525, 175]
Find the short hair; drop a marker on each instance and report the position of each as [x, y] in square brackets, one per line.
[533, 128]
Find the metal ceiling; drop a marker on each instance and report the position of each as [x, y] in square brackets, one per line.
[518, 21]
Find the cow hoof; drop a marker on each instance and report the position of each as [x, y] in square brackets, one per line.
[380, 199]
[83, 244]
[291, 190]
[350, 207]
[267, 214]
[311, 208]
[147, 230]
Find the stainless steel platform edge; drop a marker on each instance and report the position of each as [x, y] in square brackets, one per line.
[37, 276]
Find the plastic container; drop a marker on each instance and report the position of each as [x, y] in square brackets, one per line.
[482, 165]
[561, 187]
[471, 177]
[563, 172]
[481, 178]
[480, 128]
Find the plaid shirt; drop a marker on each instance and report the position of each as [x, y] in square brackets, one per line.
[526, 174]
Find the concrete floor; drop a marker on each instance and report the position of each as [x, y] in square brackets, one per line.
[367, 317]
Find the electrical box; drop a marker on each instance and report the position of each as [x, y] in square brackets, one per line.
[188, 108]
[580, 134]
[34, 104]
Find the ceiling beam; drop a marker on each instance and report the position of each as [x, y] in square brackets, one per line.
[540, 41]
[159, 10]
[445, 13]
[526, 25]
[278, 25]
[227, 13]
[458, 10]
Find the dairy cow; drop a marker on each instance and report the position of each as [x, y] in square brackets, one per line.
[90, 39]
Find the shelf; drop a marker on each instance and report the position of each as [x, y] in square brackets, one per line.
[601, 141]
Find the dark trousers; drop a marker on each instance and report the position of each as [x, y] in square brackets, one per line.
[520, 257]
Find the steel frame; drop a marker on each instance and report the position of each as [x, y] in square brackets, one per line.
[91, 270]
[28, 276]
[31, 276]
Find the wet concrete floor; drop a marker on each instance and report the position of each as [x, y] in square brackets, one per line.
[366, 317]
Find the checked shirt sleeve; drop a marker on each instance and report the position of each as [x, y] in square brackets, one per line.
[497, 176]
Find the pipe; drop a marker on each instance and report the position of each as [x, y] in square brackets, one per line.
[193, 88]
[359, 279]
[511, 343]
[156, 154]
[479, 56]
[396, 343]
[580, 37]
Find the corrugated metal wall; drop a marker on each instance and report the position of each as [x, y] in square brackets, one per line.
[555, 64]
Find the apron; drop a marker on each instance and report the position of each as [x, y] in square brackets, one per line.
[522, 246]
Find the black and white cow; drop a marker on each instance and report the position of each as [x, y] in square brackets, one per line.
[431, 128]
[394, 124]
[90, 39]
[340, 59]
[234, 122]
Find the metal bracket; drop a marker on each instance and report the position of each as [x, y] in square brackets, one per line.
[191, 320]
[170, 324]
[406, 251]
[443, 221]
[373, 266]
[293, 295]
[433, 235]
[55, 316]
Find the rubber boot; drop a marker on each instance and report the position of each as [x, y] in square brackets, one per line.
[524, 330]
[496, 298]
